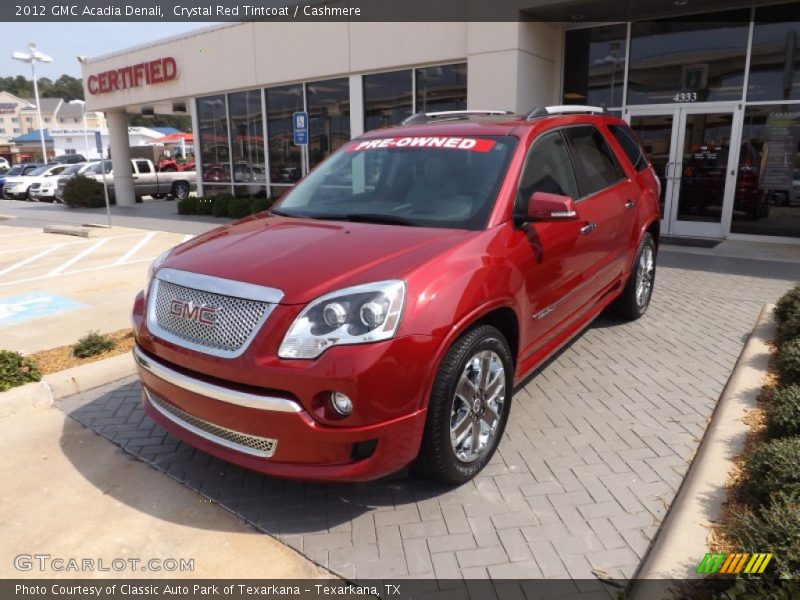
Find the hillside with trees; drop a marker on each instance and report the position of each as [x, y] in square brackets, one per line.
[71, 88]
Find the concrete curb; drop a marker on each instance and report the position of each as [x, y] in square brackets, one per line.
[65, 383]
[682, 540]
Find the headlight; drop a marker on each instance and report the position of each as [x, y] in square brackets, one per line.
[154, 267]
[355, 315]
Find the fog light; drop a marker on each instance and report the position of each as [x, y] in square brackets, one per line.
[341, 403]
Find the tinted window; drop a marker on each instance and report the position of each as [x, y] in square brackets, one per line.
[143, 166]
[596, 59]
[284, 155]
[775, 62]
[630, 145]
[247, 138]
[212, 136]
[387, 99]
[547, 169]
[595, 164]
[442, 88]
[328, 105]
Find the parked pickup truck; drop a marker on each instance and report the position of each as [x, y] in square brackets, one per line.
[147, 181]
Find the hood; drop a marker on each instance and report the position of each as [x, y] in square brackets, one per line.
[306, 258]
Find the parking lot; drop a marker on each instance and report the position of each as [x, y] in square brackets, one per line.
[595, 450]
[55, 288]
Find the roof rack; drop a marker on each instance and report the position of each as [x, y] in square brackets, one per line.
[544, 111]
[427, 117]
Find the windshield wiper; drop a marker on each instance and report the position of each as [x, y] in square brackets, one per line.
[281, 213]
[376, 218]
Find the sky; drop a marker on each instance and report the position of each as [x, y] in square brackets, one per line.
[66, 41]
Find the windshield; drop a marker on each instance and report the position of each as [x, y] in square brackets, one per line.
[15, 171]
[447, 182]
[96, 168]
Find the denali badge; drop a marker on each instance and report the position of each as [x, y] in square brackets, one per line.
[205, 315]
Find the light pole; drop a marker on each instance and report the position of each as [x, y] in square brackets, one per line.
[85, 134]
[32, 56]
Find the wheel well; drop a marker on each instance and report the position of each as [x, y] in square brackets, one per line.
[655, 230]
[505, 319]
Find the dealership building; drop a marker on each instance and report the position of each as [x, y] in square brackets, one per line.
[714, 96]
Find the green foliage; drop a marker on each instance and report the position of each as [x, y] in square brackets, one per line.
[771, 467]
[16, 370]
[788, 305]
[239, 207]
[783, 415]
[66, 87]
[188, 206]
[774, 527]
[223, 205]
[93, 344]
[787, 362]
[82, 191]
[220, 208]
[260, 205]
[789, 329]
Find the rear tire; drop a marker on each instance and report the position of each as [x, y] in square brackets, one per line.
[180, 190]
[635, 297]
[468, 408]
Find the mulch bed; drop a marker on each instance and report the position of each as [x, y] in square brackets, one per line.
[58, 359]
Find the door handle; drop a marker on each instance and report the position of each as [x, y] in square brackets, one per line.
[630, 204]
[588, 228]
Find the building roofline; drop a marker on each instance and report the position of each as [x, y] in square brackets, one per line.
[162, 41]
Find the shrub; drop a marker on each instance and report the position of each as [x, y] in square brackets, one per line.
[772, 528]
[188, 206]
[787, 362]
[16, 370]
[788, 304]
[204, 206]
[259, 205]
[84, 191]
[783, 416]
[771, 467]
[789, 329]
[220, 206]
[93, 344]
[238, 207]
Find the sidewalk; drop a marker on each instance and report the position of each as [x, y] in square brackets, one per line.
[72, 495]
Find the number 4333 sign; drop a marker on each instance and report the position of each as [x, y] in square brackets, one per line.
[685, 97]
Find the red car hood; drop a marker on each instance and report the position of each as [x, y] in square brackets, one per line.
[306, 258]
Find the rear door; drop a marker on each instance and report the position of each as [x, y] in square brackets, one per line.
[604, 188]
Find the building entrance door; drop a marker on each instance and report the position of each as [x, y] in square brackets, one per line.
[693, 150]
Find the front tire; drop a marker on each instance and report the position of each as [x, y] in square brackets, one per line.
[635, 297]
[468, 408]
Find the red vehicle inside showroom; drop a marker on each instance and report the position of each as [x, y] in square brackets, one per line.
[381, 313]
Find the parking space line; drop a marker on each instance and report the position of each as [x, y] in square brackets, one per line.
[82, 241]
[65, 265]
[76, 271]
[138, 246]
[30, 259]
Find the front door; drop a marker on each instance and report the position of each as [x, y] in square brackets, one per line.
[692, 150]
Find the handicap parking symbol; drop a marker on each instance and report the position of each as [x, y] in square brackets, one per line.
[33, 305]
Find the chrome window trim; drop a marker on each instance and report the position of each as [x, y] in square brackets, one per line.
[210, 436]
[212, 285]
[211, 390]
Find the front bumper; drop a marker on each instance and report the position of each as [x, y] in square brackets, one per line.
[15, 194]
[273, 433]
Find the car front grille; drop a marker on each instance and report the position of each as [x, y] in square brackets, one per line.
[235, 440]
[203, 320]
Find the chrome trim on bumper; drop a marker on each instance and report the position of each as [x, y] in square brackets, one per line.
[210, 390]
[234, 440]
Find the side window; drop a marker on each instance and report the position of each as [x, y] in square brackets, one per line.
[595, 164]
[630, 145]
[143, 166]
[547, 169]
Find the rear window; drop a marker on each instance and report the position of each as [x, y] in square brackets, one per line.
[630, 146]
[439, 181]
[595, 164]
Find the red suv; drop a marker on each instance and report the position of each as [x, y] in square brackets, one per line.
[382, 312]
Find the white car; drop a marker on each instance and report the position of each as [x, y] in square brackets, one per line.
[46, 190]
[19, 188]
[4, 164]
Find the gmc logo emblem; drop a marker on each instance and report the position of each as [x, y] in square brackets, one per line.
[205, 315]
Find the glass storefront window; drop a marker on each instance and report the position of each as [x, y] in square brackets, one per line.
[247, 141]
[688, 61]
[442, 88]
[387, 99]
[284, 156]
[212, 121]
[594, 65]
[775, 58]
[767, 197]
[329, 117]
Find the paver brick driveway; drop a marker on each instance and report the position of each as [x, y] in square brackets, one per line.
[595, 449]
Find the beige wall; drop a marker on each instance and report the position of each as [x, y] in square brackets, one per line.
[511, 65]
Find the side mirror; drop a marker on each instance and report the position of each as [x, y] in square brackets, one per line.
[543, 206]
